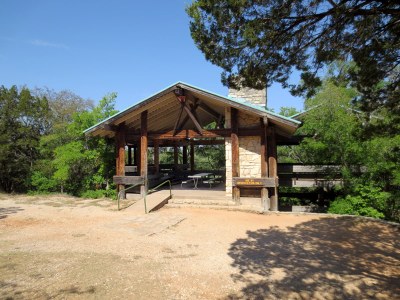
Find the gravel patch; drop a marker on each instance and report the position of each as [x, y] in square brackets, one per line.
[66, 248]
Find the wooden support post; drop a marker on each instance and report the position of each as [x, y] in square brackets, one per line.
[130, 155]
[120, 157]
[176, 156]
[143, 151]
[235, 152]
[157, 156]
[192, 166]
[184, 155]
[272, 167]
[264, 165]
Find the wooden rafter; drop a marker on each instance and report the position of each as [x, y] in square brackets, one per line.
[190, 114]
[179, 117]
[108, 127]
[193, 108]
[194, 120]
[204, 107]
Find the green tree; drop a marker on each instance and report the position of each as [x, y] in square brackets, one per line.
[288, 154]
[23, 120]
[81, 163]
[74, 166]
[332, 127]
[265, 41]
[64, 105]
[337, 133]
[288, 111]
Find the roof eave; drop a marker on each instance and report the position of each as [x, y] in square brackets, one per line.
[276, 118]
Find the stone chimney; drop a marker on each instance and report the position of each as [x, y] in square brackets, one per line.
[258, 97]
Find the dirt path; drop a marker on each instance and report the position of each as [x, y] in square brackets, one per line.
[61, 247]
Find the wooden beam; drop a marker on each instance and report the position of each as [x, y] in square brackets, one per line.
[184, 142]
[209, 142]
[143, 151]
[109, 127]
[120, 155]
[235, 152]
[272, 167]
[194, 120]
[182, 100]
[313, 169]
[204, 107]
[130, 169]
[191, 134]
[125, 180]
[193, 108]
[179, 118]
[188, 133]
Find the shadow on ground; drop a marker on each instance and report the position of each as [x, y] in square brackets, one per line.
[4, 212]
[328, 258]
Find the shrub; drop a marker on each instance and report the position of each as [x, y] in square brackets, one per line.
[366, 200]
[96, 194]
[42, 184]
[289, 201]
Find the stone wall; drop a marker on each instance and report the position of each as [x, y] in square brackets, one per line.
[249, 150]
[258, 97]
[249, 156]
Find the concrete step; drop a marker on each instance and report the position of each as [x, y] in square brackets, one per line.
[154, 201]
[200, 197]
[204, 201]
[244, 208]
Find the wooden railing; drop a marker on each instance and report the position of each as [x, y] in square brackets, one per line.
[296, 175]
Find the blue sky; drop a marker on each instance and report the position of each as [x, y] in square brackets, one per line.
[134, 48]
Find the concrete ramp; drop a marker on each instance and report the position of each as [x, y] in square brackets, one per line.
[154, 201]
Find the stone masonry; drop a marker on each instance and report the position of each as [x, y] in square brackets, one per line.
[249, 150]
[258, 97]
[249, 147]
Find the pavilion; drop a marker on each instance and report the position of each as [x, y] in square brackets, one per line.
[178, 115]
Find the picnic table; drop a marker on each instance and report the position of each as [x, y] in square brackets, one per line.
[198, 176]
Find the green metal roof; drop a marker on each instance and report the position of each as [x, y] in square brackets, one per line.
[183, 84]
[245, 103]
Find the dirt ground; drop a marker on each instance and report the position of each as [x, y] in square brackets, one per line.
[66, 248]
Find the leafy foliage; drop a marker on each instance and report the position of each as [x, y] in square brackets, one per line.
[42, 145]
[23, 120]
[265, 41]
[367, 200]
[332, 127]
[83, 164]
[210, 157]
[96, 194]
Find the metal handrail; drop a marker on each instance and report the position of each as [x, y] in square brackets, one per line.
[124, 190]
[154, 189]
[145, 194]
